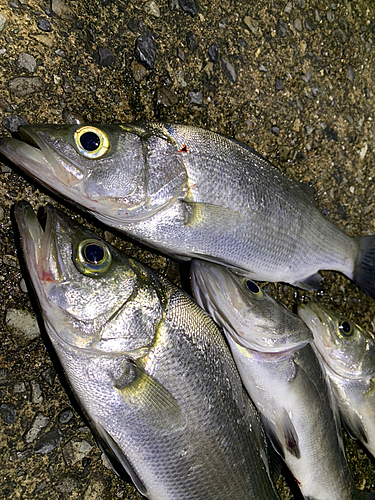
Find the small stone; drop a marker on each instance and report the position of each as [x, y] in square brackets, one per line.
[23, 86]
[12, 122]
[62, 10]
[44, 25]
[36, 392]
[315, 89]
[40, 422]
[181, 54]
[350, 74]
[24, 455]
[4, 106]
[74, 451]
[165, 97]
[296, 125]
[251, 24]
[23, 326]
[66, 484]
[298, 24]
[138, 70]
[279, 84]
[46, 40]
[151, 8]
[261, 67]
[27, 62]
[8, 413]
[288, 8]
[65, 416]
[19, 387]
[281, 28]
[307, 76]
[191, 41]
[72, 117]
[309, 25]
[213, 52]
[330, 16]
[180, 77]
[284, 153]
[48, 442]
[2, 214]
[196, 97]
[367, 93]
[49, 375]
[104, 57]
[189, 6]
[228, 70]
[145, 49]
[3, 22]
[133, 25]
[275, 130]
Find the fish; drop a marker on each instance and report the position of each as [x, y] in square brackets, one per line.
[193, 193]
[148, 366]
[273, 353]
[348, 355]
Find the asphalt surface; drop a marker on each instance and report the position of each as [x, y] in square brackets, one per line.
[294, 80]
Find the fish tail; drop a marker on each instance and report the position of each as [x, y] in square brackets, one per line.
[364, 269]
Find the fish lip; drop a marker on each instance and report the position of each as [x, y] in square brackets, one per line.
[315, 317]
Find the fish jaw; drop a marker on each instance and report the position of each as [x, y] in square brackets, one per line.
[262, 325]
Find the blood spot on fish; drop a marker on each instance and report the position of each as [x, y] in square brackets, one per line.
[184, 149]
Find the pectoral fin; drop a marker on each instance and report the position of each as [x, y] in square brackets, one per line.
[310, 283]
[220, 218]
[283, 435]
[110, 445]
[355, 428]
[152, 404]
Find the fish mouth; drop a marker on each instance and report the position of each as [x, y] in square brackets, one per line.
[318, 320]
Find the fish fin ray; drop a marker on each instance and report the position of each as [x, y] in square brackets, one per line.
[355, 428]
[364, 269]
[290, 435]
[110, 443]
[153, 404]
[205, 214]
[310, 283]
[272, 436]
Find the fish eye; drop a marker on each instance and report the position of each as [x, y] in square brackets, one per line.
[91, 142]
[256, 292]
[93, 257]
[345, 328]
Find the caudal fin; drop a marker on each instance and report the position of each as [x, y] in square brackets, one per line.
[364, 270]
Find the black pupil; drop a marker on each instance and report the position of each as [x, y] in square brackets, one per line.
[94, 254]
[252, 286]
[90, 141]
[345, 327]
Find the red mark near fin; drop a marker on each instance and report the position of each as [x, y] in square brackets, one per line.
[184, 149]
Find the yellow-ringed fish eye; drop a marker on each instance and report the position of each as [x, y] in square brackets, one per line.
[254, 289]
[345, 328]
[91, 142]
[93, 257]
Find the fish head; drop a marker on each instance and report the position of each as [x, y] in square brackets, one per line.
[346, 348]
[126, 173]
[92, 296]
[251, 317]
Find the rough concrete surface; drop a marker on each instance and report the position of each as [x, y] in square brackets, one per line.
[293, 79]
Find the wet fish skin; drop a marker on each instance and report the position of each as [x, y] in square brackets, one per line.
[148, 366]
[286, 383]
[348, 355]
[190, 193]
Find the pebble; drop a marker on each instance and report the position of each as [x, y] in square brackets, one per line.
[66, 485]
[145, 49]
[152, 8]
[62, 10]
[138, 70]
[19, 387]
[189, 6]
[27, 62]
[72, 118]
[196, 97]
[104, 57]
[181, 54]
[8, 413]
[309, 25]
[191, 41]
[261, 67]
[298, 24]
[3, 22]
[23, 86]
[165, 97]
[65, 416]
[36, 392]
[213, 52]
[44, 25]
[48, 442]
[228, 70]
[22, 325]
[278, 84]
[350, 74]
[74, 451]
[281, 28]
[2, 213]
[307, 76]
[330, 16]
[49, 375]
[12, 122]
[40, 422]
[275, 130]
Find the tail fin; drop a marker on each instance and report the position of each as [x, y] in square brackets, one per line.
[364, 270]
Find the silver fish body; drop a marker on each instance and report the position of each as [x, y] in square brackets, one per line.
[284, 379]
[148, 366]
[190, 193]
[348, 355]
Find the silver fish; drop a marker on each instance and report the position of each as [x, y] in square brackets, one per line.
[272, 350]
[348, 354]
[149, 367]
[190, 193]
